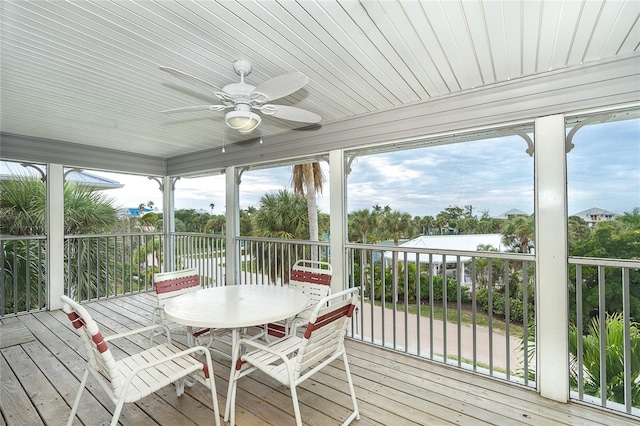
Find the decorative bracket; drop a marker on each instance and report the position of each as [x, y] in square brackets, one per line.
[161, 184]
[43, 175]
[240, 172]
[350, 160]
[530, 146]
[569, 145]
[64, 176]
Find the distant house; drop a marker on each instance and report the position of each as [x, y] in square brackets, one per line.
[595, 215]
[512, 213]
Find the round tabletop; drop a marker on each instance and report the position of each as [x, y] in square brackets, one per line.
[235, 306]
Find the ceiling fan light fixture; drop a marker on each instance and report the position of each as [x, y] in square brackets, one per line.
[243, 121]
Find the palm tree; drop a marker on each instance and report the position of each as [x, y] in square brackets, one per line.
[518, 232]
[614, 359]
[212, 206]
[396, 224]
[281, 215]
[307, 180]
[364, 222]
[23, 212]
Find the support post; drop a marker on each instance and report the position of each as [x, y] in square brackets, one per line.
[338, 218]
[552, 341]
[55, 235]
[232, 211]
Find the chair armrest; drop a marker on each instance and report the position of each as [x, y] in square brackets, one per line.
[139, 331]
[269, 348]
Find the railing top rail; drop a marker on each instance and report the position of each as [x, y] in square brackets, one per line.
[465, 253]
[22, 237]
[127, 234]
[198, 234]
[600, 261]
[284, 241]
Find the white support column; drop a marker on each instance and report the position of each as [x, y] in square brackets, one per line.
[551, 255]
[232, 268]
[55, 235]
[338, 215]
[168, 222]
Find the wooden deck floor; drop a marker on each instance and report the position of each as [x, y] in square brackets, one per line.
[41, 365]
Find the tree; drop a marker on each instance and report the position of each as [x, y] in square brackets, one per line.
[395, 225]
[614, 359]
[578, 230]
[307, 180]
[518, 233]
[612, 239]
[212, 206]
[281, 215]
[449, 218]
[23, 212]
[363, 222]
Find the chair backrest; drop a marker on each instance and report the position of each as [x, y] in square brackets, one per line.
[313, 278]
[99, 355]
[326, 330]
[171, 284]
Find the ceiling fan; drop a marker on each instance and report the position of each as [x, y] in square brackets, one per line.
[243, 97]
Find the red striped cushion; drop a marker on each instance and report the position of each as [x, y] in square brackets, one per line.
[100, 343]
[177, 284]
[76, 320]
[328, 318]
[310, 277]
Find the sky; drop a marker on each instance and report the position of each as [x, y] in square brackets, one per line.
[493, 175]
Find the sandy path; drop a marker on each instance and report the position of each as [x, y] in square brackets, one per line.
[410, 324]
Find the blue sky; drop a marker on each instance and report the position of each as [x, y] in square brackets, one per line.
[493, 175]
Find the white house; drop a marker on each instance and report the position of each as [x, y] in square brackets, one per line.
[595, 215]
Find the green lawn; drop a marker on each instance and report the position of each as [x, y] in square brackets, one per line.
[466, 317]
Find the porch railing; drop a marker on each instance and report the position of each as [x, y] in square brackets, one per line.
[23, 274]
[604, 338]
[103, 266]
[268, 261]
[472, 310]
[203, 251]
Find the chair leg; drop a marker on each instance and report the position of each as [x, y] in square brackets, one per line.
[179, 387]
[296, 404]
[212, 387]
[76, 402]
[352, 391]
[116, 413]
[232, 396]
[153, 332]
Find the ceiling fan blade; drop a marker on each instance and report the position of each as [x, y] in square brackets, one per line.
[190, 78]
[279, 87]
[290, 113]
[195, 108]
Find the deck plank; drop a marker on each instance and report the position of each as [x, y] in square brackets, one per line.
[392, 388]
[17, 407]
[14, 333]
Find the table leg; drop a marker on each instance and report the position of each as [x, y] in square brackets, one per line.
[235, 334]
[190, 340]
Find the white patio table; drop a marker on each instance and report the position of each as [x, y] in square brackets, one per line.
[235, 307]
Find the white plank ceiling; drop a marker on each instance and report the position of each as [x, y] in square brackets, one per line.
[87, 72]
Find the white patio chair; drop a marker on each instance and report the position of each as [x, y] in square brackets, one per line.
[169, 285]
[293, 359]
[313, 278]
[134, 377]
